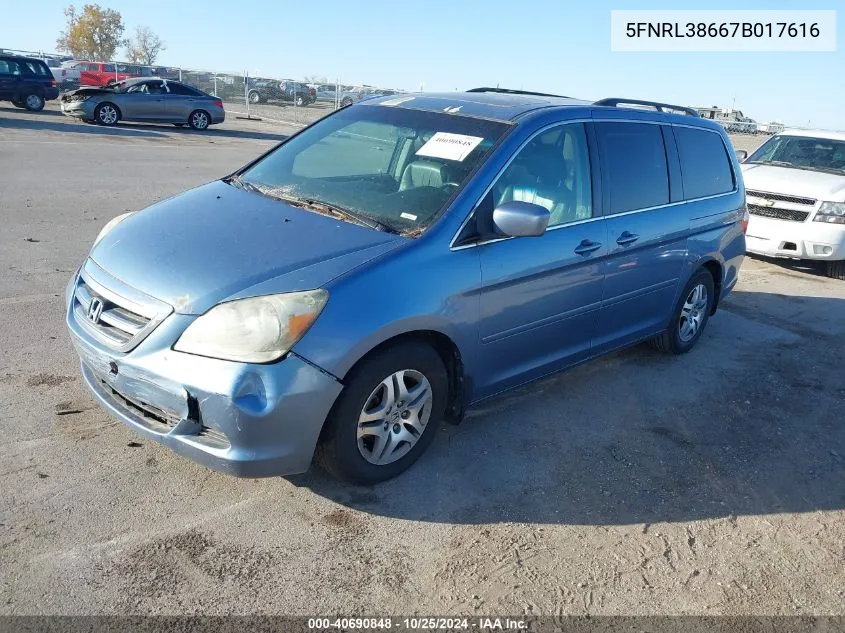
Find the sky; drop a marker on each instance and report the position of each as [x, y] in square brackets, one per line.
[556, 46]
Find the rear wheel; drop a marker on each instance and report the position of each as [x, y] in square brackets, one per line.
[689, 317]
[345, 102]
[199, 119]
[33, 102]
[386, 416]
[836, 270]
[254, 97]
[106, 114]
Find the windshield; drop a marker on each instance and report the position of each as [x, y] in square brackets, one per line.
[396, 166]
[802, 152]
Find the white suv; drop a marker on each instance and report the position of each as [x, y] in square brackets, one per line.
[795, 189]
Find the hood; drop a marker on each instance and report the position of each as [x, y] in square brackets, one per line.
[796, 182]
[86, 90]
[208, 244]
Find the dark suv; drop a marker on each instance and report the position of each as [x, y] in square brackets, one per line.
[26, 82]
[264, 90]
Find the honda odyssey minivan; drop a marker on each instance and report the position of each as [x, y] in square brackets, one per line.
[399, 261]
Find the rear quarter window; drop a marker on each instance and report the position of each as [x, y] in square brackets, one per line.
[634, 158]
[705, 166]
[38, 68]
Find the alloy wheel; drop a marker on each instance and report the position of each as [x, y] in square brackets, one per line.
[199, 120]
[33, 102]
[692, 313]
[107, 115]
[394, 417]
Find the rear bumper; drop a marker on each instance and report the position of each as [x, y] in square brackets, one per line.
[798, 240]
[51, 93]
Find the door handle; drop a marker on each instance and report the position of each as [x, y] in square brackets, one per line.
[627, 238]
[586, 247]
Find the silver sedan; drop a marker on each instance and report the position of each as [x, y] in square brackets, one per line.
[151, 100]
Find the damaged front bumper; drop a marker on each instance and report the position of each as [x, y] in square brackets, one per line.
[242, 419]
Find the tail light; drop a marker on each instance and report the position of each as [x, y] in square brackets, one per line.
[743, 222]
[218, 103]
[53, 82]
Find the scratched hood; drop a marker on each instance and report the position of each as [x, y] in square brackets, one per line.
[215, 241]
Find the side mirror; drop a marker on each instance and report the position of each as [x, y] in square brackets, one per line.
[520, 219]
[741, 155]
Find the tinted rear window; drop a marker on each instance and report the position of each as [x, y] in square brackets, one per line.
[38, 68]
[179, 89]
[634, 158]
[705, 167]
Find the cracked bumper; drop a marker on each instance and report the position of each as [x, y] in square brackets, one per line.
[240, 419]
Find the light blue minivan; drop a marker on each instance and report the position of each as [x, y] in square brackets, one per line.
[399, 261]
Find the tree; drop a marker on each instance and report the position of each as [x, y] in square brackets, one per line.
[93, 34]
[145, 47]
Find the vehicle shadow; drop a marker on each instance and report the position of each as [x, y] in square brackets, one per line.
[138, 130]
[809, 267]
[750, 422]
[72, 127]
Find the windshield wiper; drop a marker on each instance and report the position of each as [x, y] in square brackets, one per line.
[312, 204]
[360, 218]
[240, 183]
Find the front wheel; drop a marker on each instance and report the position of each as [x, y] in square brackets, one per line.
[199, 119]
[690, 316]
[386, 416]
[106, 114]
[836, 270]
[299, 101]
[254, 97]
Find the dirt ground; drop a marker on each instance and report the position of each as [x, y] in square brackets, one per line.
[638, 484]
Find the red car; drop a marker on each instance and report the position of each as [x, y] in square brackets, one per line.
[100, 73]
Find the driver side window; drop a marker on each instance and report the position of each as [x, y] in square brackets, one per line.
[552, 170]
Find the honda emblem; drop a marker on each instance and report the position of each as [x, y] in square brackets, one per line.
[95, 309]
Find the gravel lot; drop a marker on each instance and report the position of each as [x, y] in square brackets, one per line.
[637, 484]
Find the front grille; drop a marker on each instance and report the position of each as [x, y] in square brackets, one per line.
[779, 214]
[780, 197]
[115, 324]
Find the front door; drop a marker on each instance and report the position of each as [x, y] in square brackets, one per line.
[10, 79]
[540, 296]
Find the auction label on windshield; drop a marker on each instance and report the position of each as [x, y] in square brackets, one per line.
[723, 30]
[449, 146]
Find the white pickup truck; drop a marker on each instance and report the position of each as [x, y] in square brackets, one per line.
[67, 77]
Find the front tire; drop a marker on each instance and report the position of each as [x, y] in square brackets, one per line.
[689, 317]
[254, 97]
[199, 120]
[299, 101]
[107, 114]
[836, 270]
[33, 102]
[386, 416]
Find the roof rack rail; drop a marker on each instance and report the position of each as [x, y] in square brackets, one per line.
[660, 107]
[508, 91]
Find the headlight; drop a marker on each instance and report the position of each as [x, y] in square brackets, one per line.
[255, 330]
[110, 225]
[831, 212]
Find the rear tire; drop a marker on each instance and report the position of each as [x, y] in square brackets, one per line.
[33, 102]
[372, 433]
[836, 270]
[107, 114]
[689, 317]
[199, 120]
